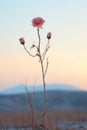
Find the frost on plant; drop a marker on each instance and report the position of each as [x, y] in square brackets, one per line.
[38, 22]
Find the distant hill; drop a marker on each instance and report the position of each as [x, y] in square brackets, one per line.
[62, 100]
[20, 88]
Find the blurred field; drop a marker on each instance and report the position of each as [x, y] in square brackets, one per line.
[67, 110]
[24, 119]
[62, 100]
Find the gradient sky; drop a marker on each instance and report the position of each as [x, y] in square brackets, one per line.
[66, 19]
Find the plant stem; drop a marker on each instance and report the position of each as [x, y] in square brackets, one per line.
[44, 84]
[42, 68]
[29, 52]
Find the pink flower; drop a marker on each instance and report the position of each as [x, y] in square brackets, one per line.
[38, 22]
[49, 35]
[22, 41]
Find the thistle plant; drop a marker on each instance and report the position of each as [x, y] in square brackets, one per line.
[38, 23]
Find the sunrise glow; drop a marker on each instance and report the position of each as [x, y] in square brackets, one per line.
[68, 52]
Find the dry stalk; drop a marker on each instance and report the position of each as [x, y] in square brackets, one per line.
[38, 22]
[41, 60]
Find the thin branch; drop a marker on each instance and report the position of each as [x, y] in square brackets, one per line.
[38, 33]
[46, 67]
[42, 68]
[29, 52]
[49, 106]
[46, 49]
[44, 54]
[31, 104]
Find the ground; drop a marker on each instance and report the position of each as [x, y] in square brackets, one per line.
[55, 120]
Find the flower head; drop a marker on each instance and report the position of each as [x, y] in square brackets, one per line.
[38, 22]
[49, 35]
[22, 41]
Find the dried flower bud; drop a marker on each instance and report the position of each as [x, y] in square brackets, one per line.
[22, 41]
[32, 46]
[49, 35]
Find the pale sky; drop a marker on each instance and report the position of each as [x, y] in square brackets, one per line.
[66, 19]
